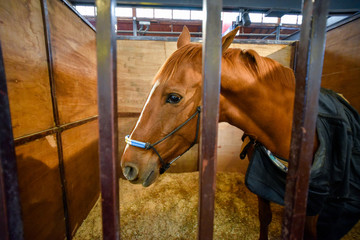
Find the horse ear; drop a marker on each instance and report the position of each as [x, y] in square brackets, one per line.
[184, 38]
[228, 39]
[254, 56]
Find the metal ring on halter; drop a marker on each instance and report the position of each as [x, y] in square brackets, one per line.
[147, 146]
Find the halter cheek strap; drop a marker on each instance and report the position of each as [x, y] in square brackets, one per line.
[148, 146]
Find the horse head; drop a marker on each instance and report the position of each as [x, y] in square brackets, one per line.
[169, 122]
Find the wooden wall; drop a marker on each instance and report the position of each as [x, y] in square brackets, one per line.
[341, 69]
[24, 53]
[137, 64]
[56, 148]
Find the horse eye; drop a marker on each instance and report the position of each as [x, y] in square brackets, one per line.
[173, 98]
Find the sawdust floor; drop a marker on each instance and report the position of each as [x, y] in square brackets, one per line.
[168, 210]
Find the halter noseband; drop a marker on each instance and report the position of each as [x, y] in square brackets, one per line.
[147, 145]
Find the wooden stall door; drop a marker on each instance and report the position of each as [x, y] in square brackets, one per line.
[52, 140]
[341, 69]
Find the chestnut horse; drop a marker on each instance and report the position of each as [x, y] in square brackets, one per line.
[257, 96]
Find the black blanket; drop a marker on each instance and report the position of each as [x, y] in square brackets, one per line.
[334, 184]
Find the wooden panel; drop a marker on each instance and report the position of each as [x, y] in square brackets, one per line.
[40, 189]
[137, 62]
[341, 69]
[81, 166]
[74, 54]
[229, 145]
[23, 45]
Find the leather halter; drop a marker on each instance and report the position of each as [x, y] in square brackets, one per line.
[148, 146]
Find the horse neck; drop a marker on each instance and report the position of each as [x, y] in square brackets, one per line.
[261, 108]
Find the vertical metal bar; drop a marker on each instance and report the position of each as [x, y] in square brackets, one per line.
[49, 56]
[308, 78]
[210, 115]
[107, 101]
[294, 52]
[134, 27]
[277, 37]
[47, 34]
[11, 226]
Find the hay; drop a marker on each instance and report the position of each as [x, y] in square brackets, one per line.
[168, 210]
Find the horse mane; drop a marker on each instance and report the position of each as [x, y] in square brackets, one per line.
[263, 68]
[185, 53]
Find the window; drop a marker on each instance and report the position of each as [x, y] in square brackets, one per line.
[299, 19]
[229, 16]
[123, 12]
[270, 20]
[256, 17]
[196, 15]
[145, 12]
[86, 10]
[163, 13]
[181, 14]
[289, 19]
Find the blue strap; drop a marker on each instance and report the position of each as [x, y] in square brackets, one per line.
[147, 146]
[135, 143]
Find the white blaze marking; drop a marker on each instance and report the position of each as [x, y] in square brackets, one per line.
[157, 83]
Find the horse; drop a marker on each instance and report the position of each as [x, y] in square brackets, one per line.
[256, 96]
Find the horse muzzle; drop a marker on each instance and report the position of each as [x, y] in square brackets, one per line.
[140, 167]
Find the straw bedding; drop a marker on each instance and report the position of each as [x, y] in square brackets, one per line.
[168, 210]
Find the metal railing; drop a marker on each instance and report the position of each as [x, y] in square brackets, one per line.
[308, 77]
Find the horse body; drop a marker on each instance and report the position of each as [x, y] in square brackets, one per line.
[254, 102]
[257, 96]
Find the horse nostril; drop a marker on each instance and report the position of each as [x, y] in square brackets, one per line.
[130, 172]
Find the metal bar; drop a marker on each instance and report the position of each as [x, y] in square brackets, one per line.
[196, 39]
[34, 136]
[294, 51]
[308, 78]
[343, 22]
[210, 115]
[108, 129]
[11, 226]
[63, 184]
[278, 35]
[134, 27]
[296, 35]
[77, 123]
[261, 6]
[72, 8]
[47, 33]
[274, 34]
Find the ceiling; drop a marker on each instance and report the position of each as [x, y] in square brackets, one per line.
[275, 8]
[257, 31]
